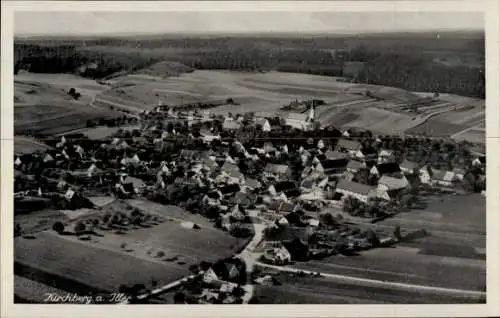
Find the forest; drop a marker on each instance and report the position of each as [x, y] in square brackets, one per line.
[390, 61]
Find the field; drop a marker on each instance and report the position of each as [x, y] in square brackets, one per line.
[445, 247]
[103, 132]
[27, 290]
[160, 251]
[321, 290]
[41, 101]
[25, 145]
[65, 264]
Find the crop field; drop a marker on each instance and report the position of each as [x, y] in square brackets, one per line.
[50, 258]
[321, 290]
[435, 128]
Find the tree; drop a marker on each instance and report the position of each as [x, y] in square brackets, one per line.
[397, 232]
[80, 228]
[58, 227]
[17, 229]
[372, 238]
[72, 91]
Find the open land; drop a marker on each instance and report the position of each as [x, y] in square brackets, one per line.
[321, 290]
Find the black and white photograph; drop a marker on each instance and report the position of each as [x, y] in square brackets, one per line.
[248, 157]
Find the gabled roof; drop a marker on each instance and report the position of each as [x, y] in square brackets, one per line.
[334, 164]
[348, 144]
[442, 175]
[252, 183]
[354, 164]
[333, 155]
[354, 187]
[230, 167]
[296, 116]
[393, 183]
[231, 125]
[275, 168]
[390, 167]
[410, 165]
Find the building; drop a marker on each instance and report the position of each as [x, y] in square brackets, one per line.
[385, 155]
[385, 169]
[263, 124]
[348, 146]
[356, 190]
[442, 177]
[276, 171]
[408, 167]
[278, 256]
[387, 183]
[354, 166]
[302, 121]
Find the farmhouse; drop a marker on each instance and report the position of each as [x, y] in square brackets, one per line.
[367, 154]
[278, 256]
[353, 189]
[335, 155]
[385, 155]
[332, 167]
[231, 124]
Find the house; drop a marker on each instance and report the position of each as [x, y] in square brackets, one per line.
[282, 207]
[409, 167]
[335, 155]
[243, 199]
[231, 272]
[189, 155]
[252, 184]
[479, 161]
[354, 166]
[209, 276]
[385, 169]
[353, 189]
[313, 222]
[263, 124]
[209, 164]
[230, 189]
[387, 183]
[459, 173]
[287, 187]
[276, 171]
[231, 124]
[237, 213]
[348, 146]
[301, 121]
[385, 155]
[134, 160]
[278, 256]
[442, 177]
[208, 296]
[332, 167]
[367, 154]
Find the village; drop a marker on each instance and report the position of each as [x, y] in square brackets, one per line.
[316, 191]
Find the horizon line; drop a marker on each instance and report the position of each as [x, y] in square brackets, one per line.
[240, 33]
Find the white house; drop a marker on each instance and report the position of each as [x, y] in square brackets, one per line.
[442, 177]
[263, 123]
[353, 189]
[387, 183]
[385, 155]
[278, 256]
[209, 276]
[425, 175]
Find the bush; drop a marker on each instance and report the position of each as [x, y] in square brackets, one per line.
[58, 227]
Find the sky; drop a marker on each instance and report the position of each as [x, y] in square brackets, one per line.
[102, 23]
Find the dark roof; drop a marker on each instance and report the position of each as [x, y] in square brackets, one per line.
[390, 167]
[367, 151]
[353, 164]
[284, 186]
[332, 164]
[231, 188]
[353, 187]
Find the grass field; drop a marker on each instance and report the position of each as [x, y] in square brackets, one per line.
[25, 145]
[102, 132]
[472, 135]
[41, 101]
[321, 290]
[49, 258]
